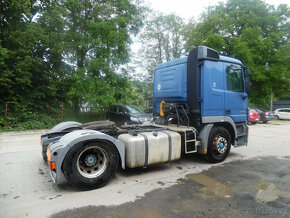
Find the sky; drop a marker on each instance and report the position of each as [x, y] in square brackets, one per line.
[193, 8]
[185, 9]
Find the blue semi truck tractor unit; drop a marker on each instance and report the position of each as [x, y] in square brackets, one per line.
[201, 102]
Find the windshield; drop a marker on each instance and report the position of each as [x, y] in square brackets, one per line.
[132, 109]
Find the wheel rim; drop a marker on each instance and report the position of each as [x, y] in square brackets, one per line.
[92, 162]
[220, 144]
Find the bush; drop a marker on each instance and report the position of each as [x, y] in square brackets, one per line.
[29, 121]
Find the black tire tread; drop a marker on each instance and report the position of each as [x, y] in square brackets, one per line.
[71, 173]
[210, 153]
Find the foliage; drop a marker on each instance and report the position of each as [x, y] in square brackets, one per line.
[161, 40]
[72, 51]
[22, 119]
[64, 51]
[255, 33]
[97, 39]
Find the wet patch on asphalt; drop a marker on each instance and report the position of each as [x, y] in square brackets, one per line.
[257, 187]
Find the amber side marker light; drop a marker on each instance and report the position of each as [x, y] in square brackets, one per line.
[51, 165]
[161, 108]
[48, 154]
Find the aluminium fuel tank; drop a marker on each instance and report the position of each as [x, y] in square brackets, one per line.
[146, 148]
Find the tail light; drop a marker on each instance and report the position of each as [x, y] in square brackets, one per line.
[266, 114]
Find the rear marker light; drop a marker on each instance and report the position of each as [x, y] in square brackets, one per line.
[48, 154]
[51, 165]
[161, 108]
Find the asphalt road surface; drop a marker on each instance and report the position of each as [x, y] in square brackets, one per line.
[253, 181]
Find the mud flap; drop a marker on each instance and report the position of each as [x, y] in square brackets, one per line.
[204, 134]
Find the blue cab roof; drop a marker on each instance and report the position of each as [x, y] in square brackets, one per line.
[171, 63]
[228, 59]
[184, 60]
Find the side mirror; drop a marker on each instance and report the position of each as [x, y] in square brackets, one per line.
[245, 96]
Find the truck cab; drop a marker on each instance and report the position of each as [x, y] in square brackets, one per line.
[204, 90]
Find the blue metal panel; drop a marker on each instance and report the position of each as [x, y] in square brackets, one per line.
[216, 99]
[212, 88]
[236, 102]
[172, 63]
[170, 82]
[228, 59]
[170, 85]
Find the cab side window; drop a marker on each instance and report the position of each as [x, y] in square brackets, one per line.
[235, 81]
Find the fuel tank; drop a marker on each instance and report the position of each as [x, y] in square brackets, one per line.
[146, 148]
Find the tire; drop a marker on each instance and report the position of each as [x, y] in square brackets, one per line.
[265, 121]
[90, 165]
[219, 145]
[277, 117]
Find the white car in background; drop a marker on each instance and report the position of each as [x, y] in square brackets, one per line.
[282, 113]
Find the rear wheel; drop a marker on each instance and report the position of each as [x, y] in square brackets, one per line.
[219, 145]
[90, 166]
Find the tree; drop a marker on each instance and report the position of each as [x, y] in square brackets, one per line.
[25, 55]
[97, 37]
[253, 32]
[161, 40]
[54, 51]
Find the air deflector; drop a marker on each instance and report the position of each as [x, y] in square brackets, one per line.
[194, 60]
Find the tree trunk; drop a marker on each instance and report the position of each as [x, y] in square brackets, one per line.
[271, 100]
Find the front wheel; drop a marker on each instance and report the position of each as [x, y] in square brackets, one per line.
[219, 145]
[90, 166]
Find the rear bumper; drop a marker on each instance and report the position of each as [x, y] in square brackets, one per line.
[254, 119]
[271, 117]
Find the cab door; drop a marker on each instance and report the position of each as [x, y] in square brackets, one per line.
[236, 98]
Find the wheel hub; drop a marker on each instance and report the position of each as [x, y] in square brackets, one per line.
[220, 144]
[91, 160]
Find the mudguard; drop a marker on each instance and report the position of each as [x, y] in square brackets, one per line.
[240, 138]
[64, 125]
[46, 140]
[203, 135]
[60, 148]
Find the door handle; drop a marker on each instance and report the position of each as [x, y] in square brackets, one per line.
[228, 111]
